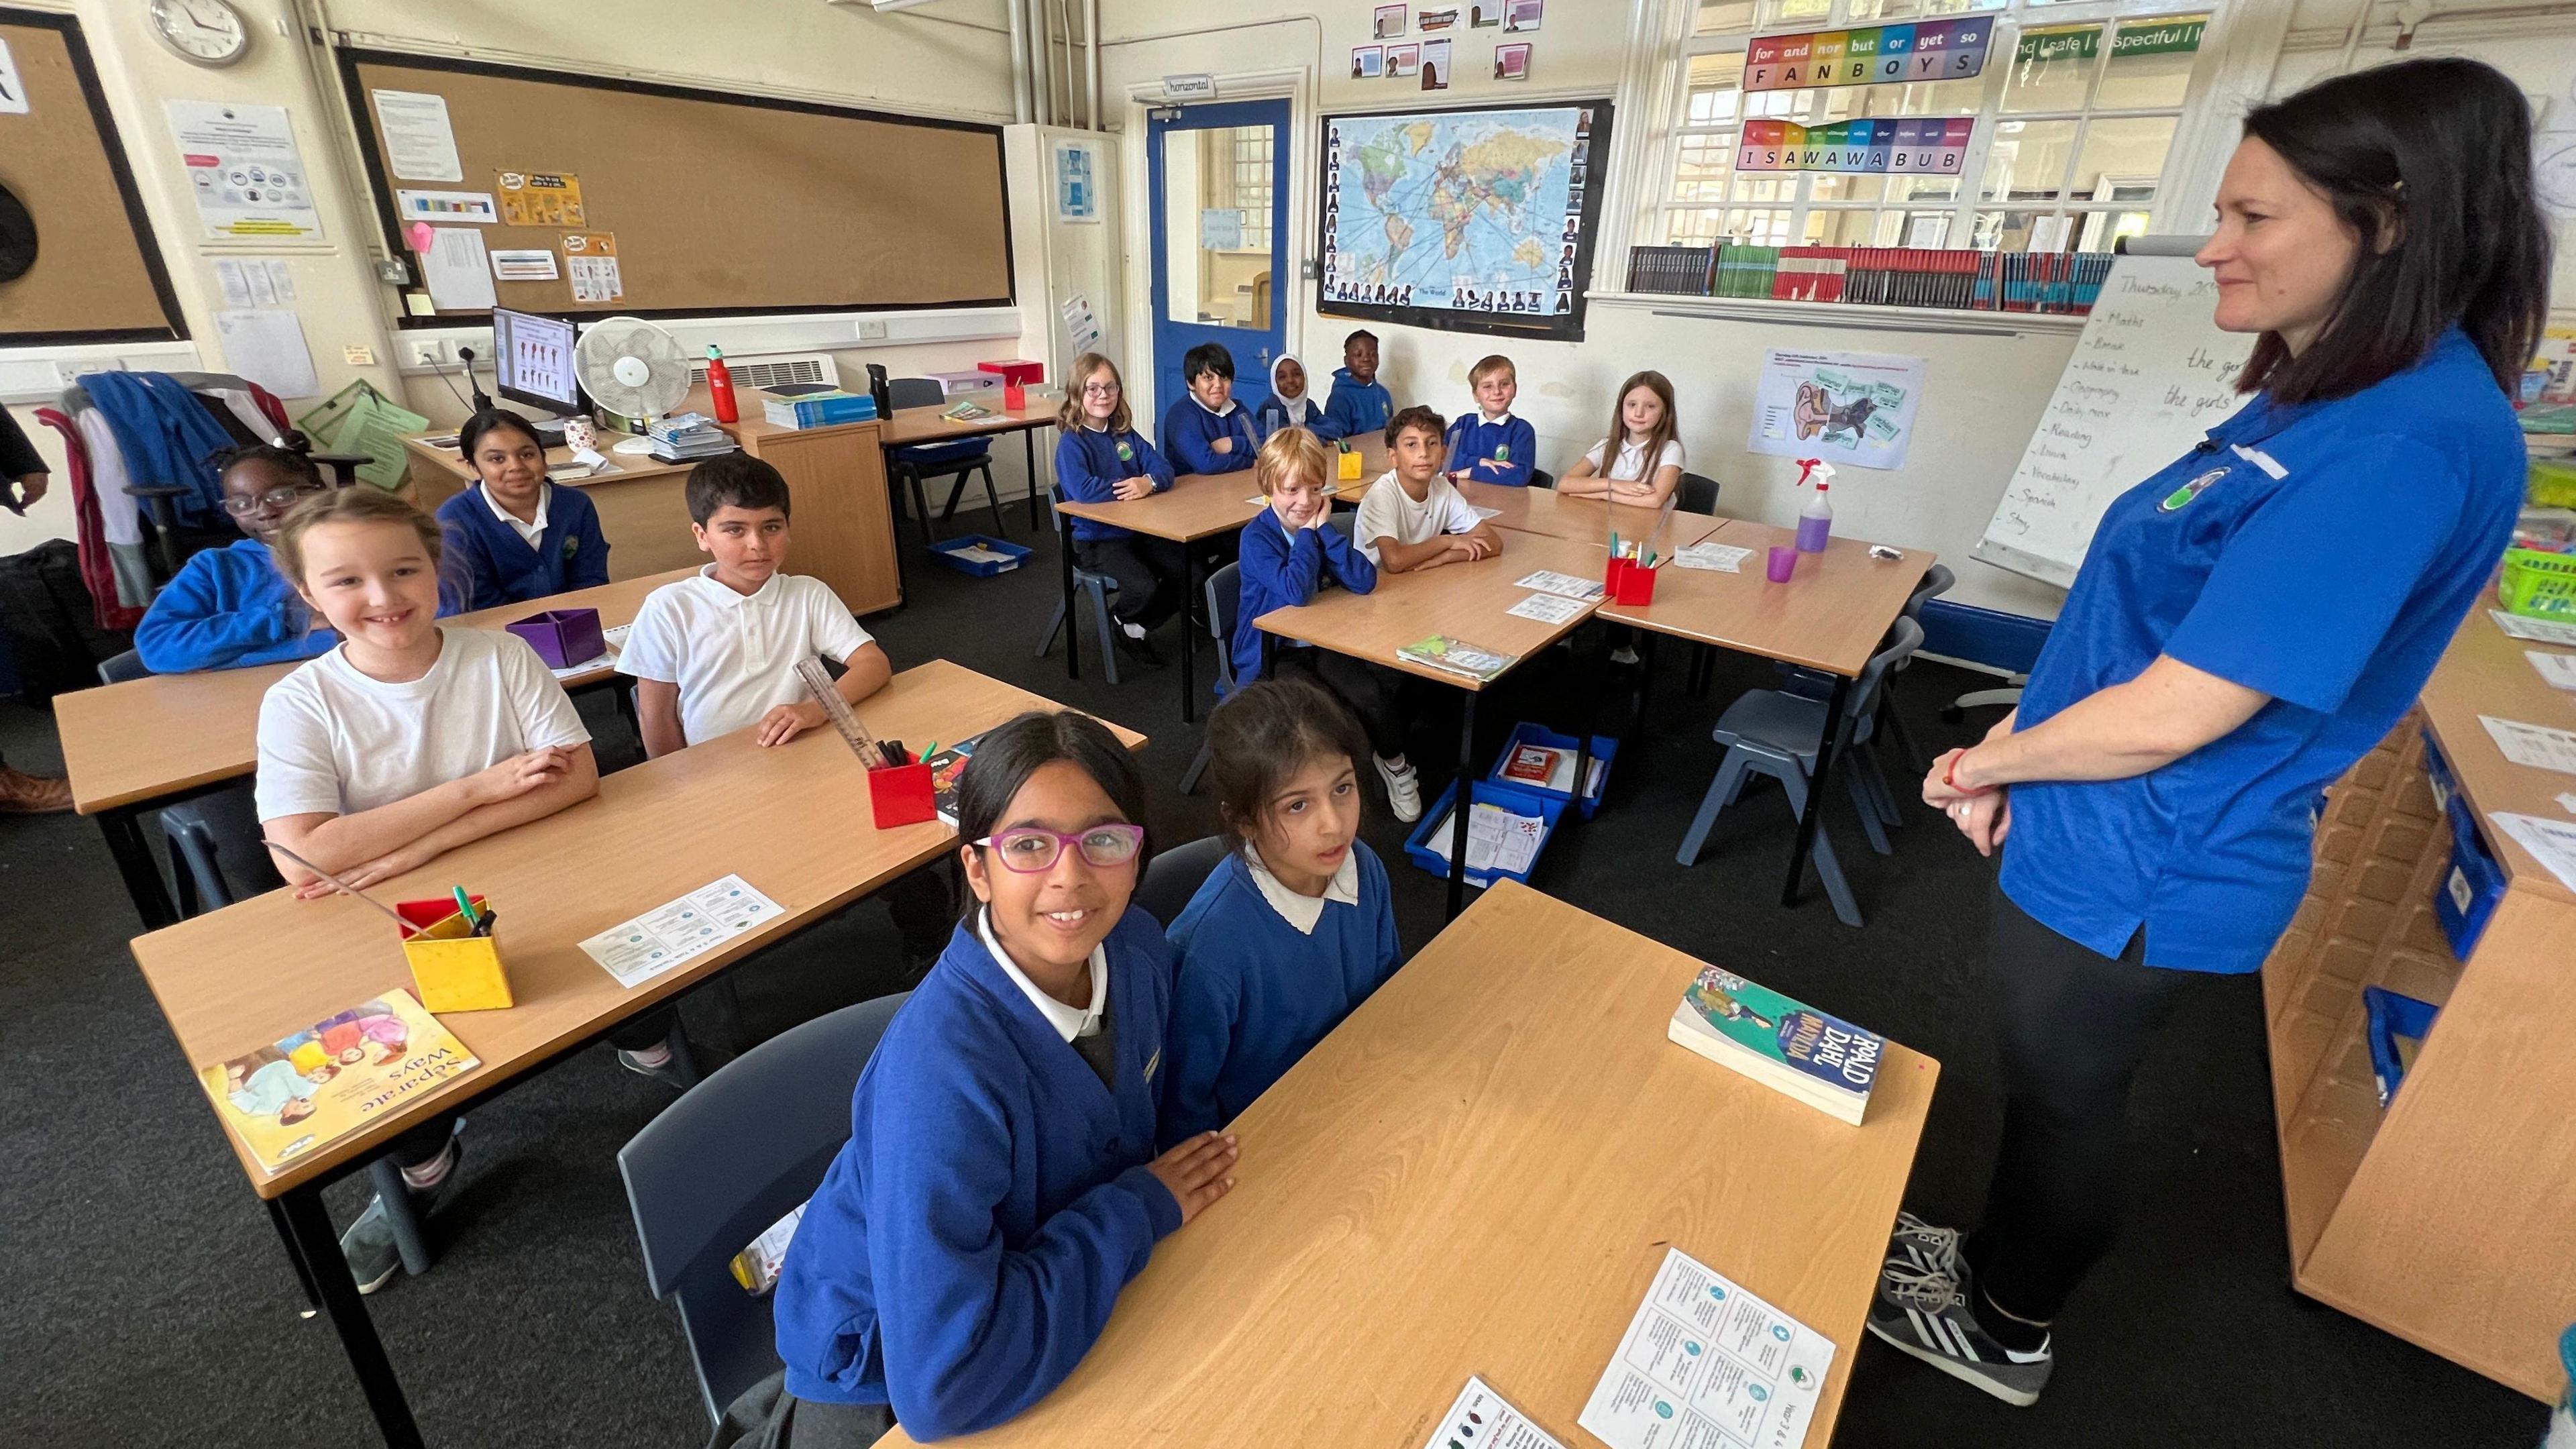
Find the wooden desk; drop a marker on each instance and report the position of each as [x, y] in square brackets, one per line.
[641, 511]
[1467, 601]
[131, 747]
[2449, 1217]
[1544, 510]
[1831, 615]
[1479, 1172]
[791, 821]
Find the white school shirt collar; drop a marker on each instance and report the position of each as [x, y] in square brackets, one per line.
[533, 532]
[1504, 417]
[1069, 1022]
[1295, 907]
[1211, 412]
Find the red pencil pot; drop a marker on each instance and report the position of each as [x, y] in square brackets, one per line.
[1628, 582]
[901, 795]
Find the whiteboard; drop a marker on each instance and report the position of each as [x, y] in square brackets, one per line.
[2151, 375]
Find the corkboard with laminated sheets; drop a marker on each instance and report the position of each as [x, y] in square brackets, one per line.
[718, 203]
[98, 275]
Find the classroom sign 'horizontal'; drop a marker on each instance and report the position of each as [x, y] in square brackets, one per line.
[1929, 50]
[1933, 146]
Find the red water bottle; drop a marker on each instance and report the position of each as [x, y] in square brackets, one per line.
[720, 387]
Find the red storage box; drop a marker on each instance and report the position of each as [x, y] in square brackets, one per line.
[1015, 370]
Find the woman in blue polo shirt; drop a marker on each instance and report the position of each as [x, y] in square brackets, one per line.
[2246, 625]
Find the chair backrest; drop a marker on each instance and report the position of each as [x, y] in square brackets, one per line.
[118, 668]
[1175, 875]
[735, 1154]
[1541, 478]
[1347, 524]
[916, 392]
[1224, 599]
[217, 839]
[1936, 582]
[1698, 493]
[1903, 638]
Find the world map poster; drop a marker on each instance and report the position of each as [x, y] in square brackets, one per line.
[1467, 220]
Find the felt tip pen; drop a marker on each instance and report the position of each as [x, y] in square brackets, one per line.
[465, 907]
[483, 927]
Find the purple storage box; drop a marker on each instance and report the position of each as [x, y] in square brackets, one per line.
[563, 637]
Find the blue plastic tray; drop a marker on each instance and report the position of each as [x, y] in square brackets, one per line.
[948, 551]
[1511, 797]
[1604, 750]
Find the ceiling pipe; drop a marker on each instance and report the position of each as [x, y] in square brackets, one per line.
[1019, 64]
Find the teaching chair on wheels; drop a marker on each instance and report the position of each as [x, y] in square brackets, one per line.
[1774, 732]
[735, 1154]
[913, 463]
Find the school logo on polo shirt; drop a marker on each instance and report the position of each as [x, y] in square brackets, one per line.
[1126, 454]
[1502, 452]
[2190, 490]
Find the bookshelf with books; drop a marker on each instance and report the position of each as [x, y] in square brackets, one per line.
[1948, 279]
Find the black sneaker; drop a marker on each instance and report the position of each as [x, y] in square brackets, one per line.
[374, 1257]
[1924, 1311]
[1137, 647]
[1923, 1245]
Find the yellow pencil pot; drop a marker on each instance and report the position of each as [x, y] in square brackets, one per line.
[455, 969]
[1350, 465]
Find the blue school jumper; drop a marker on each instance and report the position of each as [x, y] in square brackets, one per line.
[1256, 993]
[1090, 463]
[1357, 407]
[499, 567]
[967, 1244]
[1493, 452]
[1281, 569]
[1272, 415]
[1190, 432]
[2322, 554]
[229, 608]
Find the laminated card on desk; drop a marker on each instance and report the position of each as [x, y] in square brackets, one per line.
[636, 951]
[2538, 631]
[1705, 1363]
[1714, 557]
[1567, 585]
[2559, 670]
[2538, 746]
[2551, 842]
[1481, 1418]
[1547, 608]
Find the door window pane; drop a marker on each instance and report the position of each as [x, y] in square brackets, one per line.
[1216, 226]
[2150, 62]
[2051, 67]
[2027, 160]
[2122, 157]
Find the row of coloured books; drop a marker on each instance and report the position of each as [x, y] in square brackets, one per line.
[1958, 278]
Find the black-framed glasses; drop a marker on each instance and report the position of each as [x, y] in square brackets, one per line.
[1029, 849]
[286, 497]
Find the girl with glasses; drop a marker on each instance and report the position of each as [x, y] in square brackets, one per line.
[1000, 1185]
[1101, 458]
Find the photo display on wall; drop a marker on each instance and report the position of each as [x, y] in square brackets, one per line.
[1470, 220]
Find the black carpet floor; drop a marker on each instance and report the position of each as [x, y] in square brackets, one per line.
[144, 1299]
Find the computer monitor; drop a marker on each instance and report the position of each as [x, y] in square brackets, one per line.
[532, 361]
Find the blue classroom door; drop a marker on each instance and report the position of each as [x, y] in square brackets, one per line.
[1219, 175]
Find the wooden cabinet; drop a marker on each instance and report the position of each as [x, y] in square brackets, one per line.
[842, 525]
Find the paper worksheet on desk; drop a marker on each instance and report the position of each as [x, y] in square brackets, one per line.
[2558, 669]
[2552, 842]
[1706, 1365]
[636, 951]
[2538, 746]
[1481, 1419]
[1547, 609]
[1723, 558]
[1564, 585]
[2538, 631]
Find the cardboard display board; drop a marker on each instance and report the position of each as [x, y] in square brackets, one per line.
[715, 203]
[98, 275]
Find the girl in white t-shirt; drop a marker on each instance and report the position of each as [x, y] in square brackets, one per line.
[1641, 461]
[405, 741]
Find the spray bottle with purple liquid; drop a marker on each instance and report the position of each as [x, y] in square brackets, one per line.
[1816, 520]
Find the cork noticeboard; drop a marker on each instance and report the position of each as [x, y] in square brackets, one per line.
[717, 202]
[98, 275]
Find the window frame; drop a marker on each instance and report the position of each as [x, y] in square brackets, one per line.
[1664, 210]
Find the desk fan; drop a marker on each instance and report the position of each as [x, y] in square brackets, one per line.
[634, 369]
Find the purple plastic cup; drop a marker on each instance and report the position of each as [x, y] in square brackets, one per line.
[1782, 563]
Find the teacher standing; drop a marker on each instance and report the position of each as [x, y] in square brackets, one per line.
[2247, 624]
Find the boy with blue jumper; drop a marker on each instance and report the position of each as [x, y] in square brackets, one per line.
[999, 1187]
[1101, 458]
[1207, 432]
[1489, 445]
[1296, 926]
[229, 607]
[1359, 402]
[516, 536]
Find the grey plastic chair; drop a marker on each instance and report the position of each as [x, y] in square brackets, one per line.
[215, 853]
[735, 1154]
[955, 459]
[1096, 587]
[1175, 875]
[1936, 582]
[1224, 601]
[1776, 733]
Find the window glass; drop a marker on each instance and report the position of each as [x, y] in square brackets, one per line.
[1216, 224]
[2150, 63]
[1722, 17]
[2050, 68]
[2026, 160]
[2122, 156]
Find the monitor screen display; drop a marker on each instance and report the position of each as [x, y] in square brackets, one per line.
[532, 360]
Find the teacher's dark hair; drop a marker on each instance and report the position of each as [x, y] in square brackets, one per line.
[2430, 160]
[1011, 752]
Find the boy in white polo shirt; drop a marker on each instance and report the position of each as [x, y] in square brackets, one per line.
[718, 653]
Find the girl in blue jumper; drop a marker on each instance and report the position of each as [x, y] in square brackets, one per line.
[1000, 1184]
[230, 607]
[517, 536]
[1295, 928]
[1101, 458]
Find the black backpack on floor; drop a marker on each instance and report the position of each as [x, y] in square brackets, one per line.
[46, 609]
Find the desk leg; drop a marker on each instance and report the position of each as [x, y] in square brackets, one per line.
[1037, 520]
[123, 827]
[1072, 620]
[1189, 634]
[311, 1225]
[1812, 819]
[1460, 805]
[1269, 655]
[295, 1256]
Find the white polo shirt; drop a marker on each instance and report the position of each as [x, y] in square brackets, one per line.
[531, 529]
[1069, 1021]
[1630, 465]
[734, 656]
[1299, 910]
[1387, 511]
[334, 742]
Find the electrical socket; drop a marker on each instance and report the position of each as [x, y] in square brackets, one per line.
[421, 352]
[872, 329]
